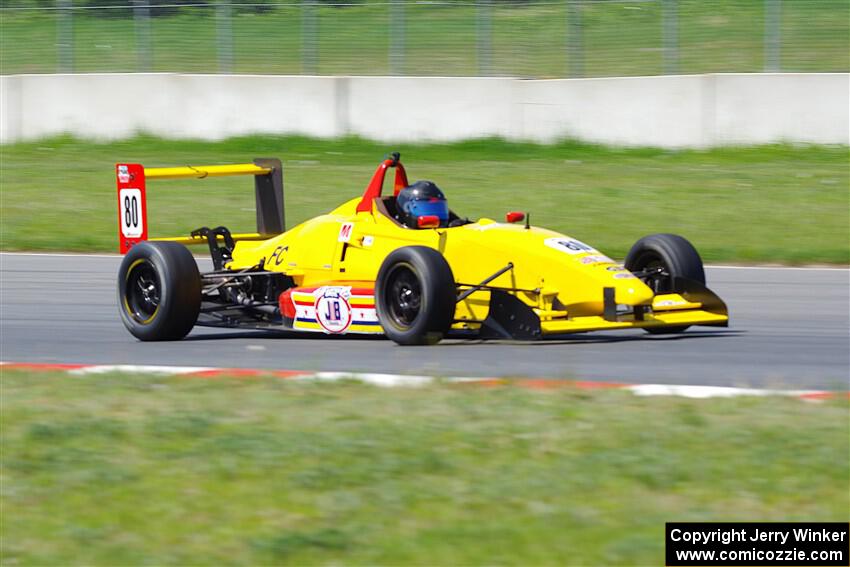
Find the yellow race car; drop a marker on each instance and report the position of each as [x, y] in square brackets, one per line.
[403, 265]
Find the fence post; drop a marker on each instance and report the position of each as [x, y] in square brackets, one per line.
[65, 37]
[575, 52]
[484, 36]
[142, 25]
[224, 35]
[670, 34]
[309, 57]
[772, 35]
[397, 23]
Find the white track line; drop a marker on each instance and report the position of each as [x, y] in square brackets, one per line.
[702, 392]
[712, 266]
[384, 380]
[61, 254]
[139, 368]
[784, 268]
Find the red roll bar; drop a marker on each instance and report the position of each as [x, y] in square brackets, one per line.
[373, 190]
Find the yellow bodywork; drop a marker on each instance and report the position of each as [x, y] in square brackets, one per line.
[202, 171]
[560, 278]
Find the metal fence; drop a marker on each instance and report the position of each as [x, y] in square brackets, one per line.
[566, 38]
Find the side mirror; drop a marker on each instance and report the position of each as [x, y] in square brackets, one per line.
[514, 216]
[428, 221]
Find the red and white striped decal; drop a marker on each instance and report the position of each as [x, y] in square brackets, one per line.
[405, 380]
[333, 309]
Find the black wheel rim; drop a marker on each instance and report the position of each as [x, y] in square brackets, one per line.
[404, 296]
[657, 276]
[142, 292]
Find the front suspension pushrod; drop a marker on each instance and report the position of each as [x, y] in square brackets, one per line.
[475, 288]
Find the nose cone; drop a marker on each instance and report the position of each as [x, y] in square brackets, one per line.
[581, 289]
[582, 272]
[544, 259]
[631, 291]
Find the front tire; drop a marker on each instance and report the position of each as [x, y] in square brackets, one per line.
[415, 296]
[671, 257]
[159, 291]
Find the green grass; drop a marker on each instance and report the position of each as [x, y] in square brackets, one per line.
[528, 39]
[127, 469]
[779, 203]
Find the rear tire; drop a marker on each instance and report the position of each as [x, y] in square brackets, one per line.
[159, 291]
[676, 256]
[415, 296]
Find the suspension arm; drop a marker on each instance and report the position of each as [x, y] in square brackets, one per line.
[473, 288]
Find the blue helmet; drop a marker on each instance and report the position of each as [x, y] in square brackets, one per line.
[421, 199]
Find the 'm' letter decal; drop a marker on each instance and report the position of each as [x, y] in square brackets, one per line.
[345, 232]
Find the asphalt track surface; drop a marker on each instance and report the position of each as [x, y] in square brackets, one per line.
[790, 328]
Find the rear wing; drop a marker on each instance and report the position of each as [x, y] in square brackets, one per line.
[132, 198]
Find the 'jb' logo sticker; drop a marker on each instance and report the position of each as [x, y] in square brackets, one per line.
[333, 312]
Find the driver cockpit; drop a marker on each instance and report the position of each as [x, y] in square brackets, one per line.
[422, 205]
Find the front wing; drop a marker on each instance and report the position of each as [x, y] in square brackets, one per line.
[509, 317]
